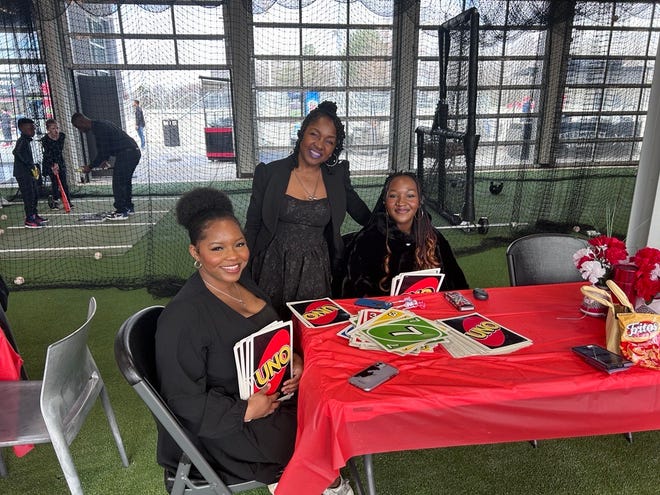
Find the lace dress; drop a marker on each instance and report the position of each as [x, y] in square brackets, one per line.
[296, 264]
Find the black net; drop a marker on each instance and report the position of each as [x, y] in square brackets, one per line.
[561, 100]
[446, 151]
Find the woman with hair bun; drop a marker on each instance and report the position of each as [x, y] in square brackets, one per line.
[218, 306]
[399, 238]
[296, 210]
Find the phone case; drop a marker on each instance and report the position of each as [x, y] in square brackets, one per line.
[373, 303]
[372, 376]
[459, 301]
[602, 359]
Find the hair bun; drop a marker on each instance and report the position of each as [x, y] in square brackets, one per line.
[328, 106]
[200, 202]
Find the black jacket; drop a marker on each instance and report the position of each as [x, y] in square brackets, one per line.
[23, 160]
[366, 254]
[268, 188]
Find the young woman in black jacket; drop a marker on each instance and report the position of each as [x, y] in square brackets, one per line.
[399, 238]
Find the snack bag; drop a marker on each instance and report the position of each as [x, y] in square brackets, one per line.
[640, 338]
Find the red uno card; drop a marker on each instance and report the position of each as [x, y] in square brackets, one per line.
[319, 313]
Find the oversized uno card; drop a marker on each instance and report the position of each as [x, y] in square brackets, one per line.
[319, 313]
[272, 353]
[365, 315]
[420, 284]
[404, 334]
[490, 336]
[417, 282]
[263, 358]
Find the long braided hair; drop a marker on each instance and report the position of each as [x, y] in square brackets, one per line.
[422, 231]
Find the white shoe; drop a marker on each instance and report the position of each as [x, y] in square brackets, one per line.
[271, 488]
[344, 488]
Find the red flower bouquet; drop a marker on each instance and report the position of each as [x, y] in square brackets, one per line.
[647, 276]
[597, 260]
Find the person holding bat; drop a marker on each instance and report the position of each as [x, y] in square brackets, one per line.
[399, 238]
[53, 163]
[113, 141]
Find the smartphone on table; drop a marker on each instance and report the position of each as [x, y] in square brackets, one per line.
[601, 358]
[372, 376]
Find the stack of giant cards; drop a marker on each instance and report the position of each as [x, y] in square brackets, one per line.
[476, 335]
[394, 330]
[418, 282]
[263, 358]
[319, 313]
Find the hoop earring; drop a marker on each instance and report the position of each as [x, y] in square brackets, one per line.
[335, 162]
[197, 264]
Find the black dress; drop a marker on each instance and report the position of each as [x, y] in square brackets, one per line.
[296, 264]
[198, 380]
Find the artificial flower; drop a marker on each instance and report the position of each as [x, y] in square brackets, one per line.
[647, 276]
[597, 260]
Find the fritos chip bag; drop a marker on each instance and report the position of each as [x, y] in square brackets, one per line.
[640, 338]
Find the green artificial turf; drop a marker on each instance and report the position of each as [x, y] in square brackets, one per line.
[591, 465]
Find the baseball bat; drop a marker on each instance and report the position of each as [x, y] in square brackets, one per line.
[65, 200]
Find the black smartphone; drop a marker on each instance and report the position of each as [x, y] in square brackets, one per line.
[372, 376]
[373, 303]
[601, 358]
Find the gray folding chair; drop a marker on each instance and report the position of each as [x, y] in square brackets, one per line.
[543, 259]
[135, 355]
[54, 409]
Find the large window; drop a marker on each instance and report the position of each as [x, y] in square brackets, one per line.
[612, 53]
[24, 90]
[599, 115]
[340, 51]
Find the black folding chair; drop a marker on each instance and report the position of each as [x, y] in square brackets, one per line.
[135, 355]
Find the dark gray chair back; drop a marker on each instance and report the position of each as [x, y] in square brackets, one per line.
[543, 259]
[135, 356]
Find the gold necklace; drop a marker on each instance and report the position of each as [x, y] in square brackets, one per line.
[237, 299]
[310, 197]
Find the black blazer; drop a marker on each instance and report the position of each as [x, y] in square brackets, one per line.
[269, 187]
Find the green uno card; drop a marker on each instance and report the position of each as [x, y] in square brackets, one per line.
[402, 333]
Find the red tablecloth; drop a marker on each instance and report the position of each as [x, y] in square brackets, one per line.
[538, 392]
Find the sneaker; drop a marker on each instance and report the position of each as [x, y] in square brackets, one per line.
[117, 215]
[54, 205]
[344, 488]
[40, 218]
[131, 211]
[33, 223]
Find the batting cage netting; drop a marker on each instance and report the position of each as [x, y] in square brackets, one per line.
[518, 116]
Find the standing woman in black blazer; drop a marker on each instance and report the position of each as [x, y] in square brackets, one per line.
[297, 207]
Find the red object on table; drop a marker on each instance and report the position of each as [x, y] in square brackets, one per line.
[10, 369]
[624, 277]
[539, 392]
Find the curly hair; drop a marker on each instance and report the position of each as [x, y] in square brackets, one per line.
[196, 208]
[422, 231]
[325, 109]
